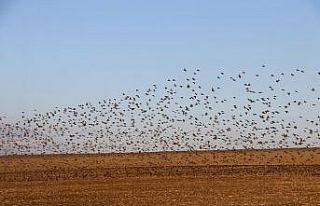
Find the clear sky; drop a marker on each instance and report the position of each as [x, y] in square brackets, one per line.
[56, 53]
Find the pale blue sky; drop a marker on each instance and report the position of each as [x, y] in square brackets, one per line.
[57, 53]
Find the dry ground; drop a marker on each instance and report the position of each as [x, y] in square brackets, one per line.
[246, 177]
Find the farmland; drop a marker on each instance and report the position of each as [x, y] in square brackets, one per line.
[245, 177]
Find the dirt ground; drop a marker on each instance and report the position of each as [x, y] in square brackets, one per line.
[247, 177]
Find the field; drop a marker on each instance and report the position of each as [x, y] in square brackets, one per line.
[244, 177]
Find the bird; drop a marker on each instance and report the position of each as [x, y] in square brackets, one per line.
[178, 115]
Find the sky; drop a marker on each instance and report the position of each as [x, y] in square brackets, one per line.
[58, 53]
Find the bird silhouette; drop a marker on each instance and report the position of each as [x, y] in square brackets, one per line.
[178, 115]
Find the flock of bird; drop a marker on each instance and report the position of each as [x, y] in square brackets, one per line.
[241, 111]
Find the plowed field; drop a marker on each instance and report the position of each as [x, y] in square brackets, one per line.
[245, 177]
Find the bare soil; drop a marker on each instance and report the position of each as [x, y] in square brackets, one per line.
[244, 177]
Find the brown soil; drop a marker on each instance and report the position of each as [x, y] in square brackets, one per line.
[244, 177]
